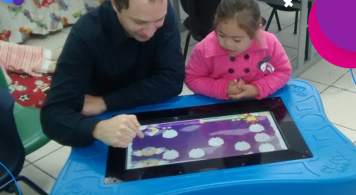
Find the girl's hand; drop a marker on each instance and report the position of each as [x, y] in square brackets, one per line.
[248, 91]
[235, 87]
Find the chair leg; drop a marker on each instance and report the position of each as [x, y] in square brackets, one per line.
[31, 184]
[278, 23]
[296, 22]
[187, 45]
[270, 19]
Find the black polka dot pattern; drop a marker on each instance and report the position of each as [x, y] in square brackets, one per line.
[247, 56]
[231, 70]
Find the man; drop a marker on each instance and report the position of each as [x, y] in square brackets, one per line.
[123, 54]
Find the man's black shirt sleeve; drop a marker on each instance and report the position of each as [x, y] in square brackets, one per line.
[89, 51]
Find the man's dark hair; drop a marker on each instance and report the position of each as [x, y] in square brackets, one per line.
[124, 4]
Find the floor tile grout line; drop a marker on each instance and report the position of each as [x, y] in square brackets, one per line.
[339, 78]
[286, 26]
[344, 127]
[314, 81]
[44, 172]
[46, 155]
[337, 88]
[325, 90]
[327, 84]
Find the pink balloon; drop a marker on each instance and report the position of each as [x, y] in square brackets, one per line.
[328, 50]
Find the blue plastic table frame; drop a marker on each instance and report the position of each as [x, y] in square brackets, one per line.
[332, 170]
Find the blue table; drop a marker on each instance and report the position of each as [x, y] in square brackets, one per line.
[332, 170]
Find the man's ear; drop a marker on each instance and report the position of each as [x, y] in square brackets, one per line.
[113, 3]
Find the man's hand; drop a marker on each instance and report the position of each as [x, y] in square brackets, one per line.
[235, 87]
[93, 105]
[248, 91]
[118, 131]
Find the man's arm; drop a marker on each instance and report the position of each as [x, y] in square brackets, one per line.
[167, 78]
[61, 116]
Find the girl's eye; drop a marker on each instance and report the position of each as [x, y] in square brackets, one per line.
[237, 41]
[222, 36]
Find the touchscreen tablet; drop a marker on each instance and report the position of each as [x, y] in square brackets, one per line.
[205, 138]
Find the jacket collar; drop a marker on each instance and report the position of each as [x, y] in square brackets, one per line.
[213, 48]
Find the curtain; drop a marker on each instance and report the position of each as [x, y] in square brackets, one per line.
[40, 17]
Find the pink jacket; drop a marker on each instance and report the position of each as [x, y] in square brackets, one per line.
[209, 68]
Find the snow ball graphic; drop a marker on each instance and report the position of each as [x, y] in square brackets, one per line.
[242, 146]
[216, 141]
[262, 137]
[169, 134]
[266, 148]
[196, 153]
[170, 154]
[256, 128]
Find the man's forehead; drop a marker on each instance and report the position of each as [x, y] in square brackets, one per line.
[144, 2]
[147, 10]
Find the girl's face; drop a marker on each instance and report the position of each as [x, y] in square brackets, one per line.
[232, 38]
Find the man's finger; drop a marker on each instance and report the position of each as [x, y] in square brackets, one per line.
[130, 124]
[125, 139]
[139, 133]
[132, 127]
[134, 120]
[130, 133]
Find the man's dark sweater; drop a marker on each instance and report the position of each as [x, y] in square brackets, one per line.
[99, 59]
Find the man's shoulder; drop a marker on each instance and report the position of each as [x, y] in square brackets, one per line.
[90, 24]
[170, 22]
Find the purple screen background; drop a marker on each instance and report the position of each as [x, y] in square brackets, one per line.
[184, 141]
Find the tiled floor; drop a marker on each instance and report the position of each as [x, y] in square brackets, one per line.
[338, 93]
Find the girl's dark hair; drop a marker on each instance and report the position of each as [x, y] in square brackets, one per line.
[246, 13]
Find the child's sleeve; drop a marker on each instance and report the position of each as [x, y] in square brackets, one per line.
[198, 78]
[270, 83]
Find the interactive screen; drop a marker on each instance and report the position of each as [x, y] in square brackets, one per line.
[205, 138]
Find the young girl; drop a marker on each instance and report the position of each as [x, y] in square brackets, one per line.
[32, 60]
[238, 59]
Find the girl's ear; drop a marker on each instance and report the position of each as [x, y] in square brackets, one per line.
[263, 22]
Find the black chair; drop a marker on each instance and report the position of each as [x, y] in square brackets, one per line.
[12, 154]
[283, 8]
[199, 22]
